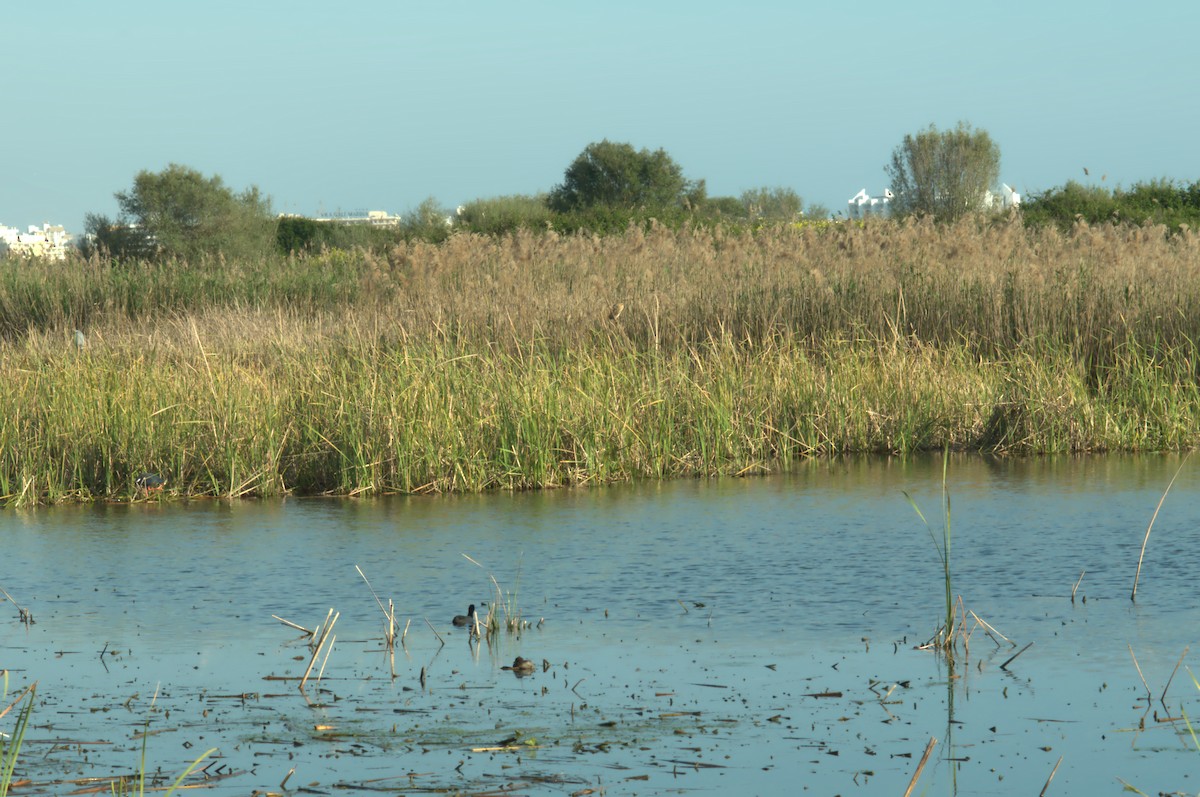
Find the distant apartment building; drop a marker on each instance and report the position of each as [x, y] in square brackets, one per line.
[375, 218]
[51, 241]
[863, 205]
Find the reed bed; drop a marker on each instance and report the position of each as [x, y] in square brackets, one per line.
[485, 363]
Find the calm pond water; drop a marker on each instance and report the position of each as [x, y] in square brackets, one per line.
[754, 635]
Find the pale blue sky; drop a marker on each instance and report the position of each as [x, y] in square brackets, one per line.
[354, 105]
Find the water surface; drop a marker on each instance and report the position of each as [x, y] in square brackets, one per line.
[699, 635]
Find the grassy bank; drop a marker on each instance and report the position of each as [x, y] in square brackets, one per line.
[496, 363]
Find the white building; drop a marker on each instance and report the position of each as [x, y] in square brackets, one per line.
[375, 218]
[1007, 198]
[863, 204]
[50, 241]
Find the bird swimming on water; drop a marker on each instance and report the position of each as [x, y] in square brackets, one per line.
[521, 666]
[465, 619]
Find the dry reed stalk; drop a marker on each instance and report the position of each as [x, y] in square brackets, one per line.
[325, 632]
[19, 698]
[921, 766]
[1042, 793]
[1011, 658]
[991, 630]
[1146, 539]
[1163, 697]
[434, 630]
[290, 624]
[1149, 695]
[389, 613]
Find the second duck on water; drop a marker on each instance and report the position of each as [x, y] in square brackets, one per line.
[465, 619]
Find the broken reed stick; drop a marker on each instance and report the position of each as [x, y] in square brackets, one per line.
[1077, 583]
[326, 629]
[1042, 793]
[1149, 695]
[434, 630]
[20, 697]
[1004, 666]
[1146, 539]
[925, 758]
[290, 624]
[1163, 698]
[991, 629]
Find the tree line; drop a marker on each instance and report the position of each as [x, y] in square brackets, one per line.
[180, 213]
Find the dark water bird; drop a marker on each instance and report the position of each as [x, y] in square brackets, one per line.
[523, 666]
[150, 481]
[465, 619]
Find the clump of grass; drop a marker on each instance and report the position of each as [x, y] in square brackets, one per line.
[504, 612]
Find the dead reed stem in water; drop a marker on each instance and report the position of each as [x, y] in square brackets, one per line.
[1011, 658]
[1138, 574]
[326, 630]
[921, 766]
[1042, 793]
[1077, 583]
[1149, 695]
[1163, 698]
[389, 613]
[290, 624]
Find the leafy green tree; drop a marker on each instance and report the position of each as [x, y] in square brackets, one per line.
[428, 221]
[943, 173]
[615, 175]
[185, 214]
[115, 239]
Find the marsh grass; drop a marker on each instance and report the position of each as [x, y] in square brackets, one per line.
[497, 362]
[10, 745]
[504, 612]
[950, 630]
[137, 785]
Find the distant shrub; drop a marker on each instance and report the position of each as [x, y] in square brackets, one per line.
[1157, 202]
[505, 214]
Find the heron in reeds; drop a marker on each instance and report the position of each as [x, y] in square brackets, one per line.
[80, 340]
[465, 619]
[615, 311]
[150, 482]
